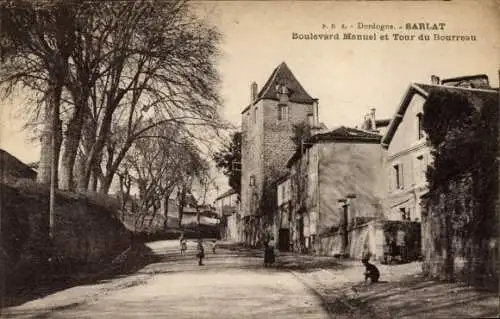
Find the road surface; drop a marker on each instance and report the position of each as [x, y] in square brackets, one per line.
[229, 285]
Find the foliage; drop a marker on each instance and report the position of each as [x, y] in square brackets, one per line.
[300, 133]
[124, 69]
[157, 167]
[462, 129]
[229, 160]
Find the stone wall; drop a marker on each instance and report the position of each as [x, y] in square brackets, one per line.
[362, 239]
[86, 233]
[349, 168]
[454, 248]
[460, 222]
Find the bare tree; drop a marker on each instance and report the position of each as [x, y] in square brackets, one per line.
[163, 73]
[37, 40]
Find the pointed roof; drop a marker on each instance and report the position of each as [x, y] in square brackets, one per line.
[283, 75]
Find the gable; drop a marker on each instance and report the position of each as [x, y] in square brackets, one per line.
[407, 133]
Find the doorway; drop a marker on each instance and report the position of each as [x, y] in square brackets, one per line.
[284, 239]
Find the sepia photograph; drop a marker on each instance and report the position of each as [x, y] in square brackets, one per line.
[249, 159]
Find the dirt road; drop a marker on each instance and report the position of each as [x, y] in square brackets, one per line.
[229, 285]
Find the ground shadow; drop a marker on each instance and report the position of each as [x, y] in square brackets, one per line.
[46, 283]
[418, 297]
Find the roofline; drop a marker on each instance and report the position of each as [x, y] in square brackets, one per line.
[413, 89]
[333, 139]
[466, 77]
[227, 193]
[400, 112]
[492, 90]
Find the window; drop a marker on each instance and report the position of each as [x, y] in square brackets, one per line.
[398, 176]
[255, 115]
[282, 112]
[252, 181]
[405, 213]
[420, 131]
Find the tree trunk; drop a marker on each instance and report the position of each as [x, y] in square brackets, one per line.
[43, 176]
[106, 184]
[182, 203]
[165, 212]
[46, 154]
[72, 141]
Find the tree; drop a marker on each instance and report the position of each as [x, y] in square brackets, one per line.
[228, 158]
[160, 72]
[123, 68]
[37, 39]
[301, 132]
[157, 167]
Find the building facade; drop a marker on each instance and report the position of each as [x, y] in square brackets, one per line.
[407, 153]
[267, 128]
[227, 207]
[334, 166]
[407, 157]
[283, 229]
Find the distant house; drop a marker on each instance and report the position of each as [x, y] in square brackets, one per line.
[227, 207]
[372, 124]
[330, 167]
[12, 169]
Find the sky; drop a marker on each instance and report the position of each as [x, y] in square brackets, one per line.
[347, 76]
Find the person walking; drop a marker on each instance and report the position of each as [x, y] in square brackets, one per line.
[201, 252]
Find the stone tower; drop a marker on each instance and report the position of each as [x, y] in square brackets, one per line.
[267, 124]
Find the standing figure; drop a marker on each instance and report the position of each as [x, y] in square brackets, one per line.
[269, 256]
[201, 252]
[183, 244]
[371, 271]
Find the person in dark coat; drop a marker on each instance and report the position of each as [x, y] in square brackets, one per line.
[201, 252]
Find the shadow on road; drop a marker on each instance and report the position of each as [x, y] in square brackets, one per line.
[136, 257]
[414, 296]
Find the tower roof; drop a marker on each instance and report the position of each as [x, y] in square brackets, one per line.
[282, 75]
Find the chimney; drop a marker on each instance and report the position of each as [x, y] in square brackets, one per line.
[253, 92]
[435, 80]
[372, 119]
[315, 114]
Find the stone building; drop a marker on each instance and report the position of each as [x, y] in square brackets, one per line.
[267, 124]
[333, 166]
